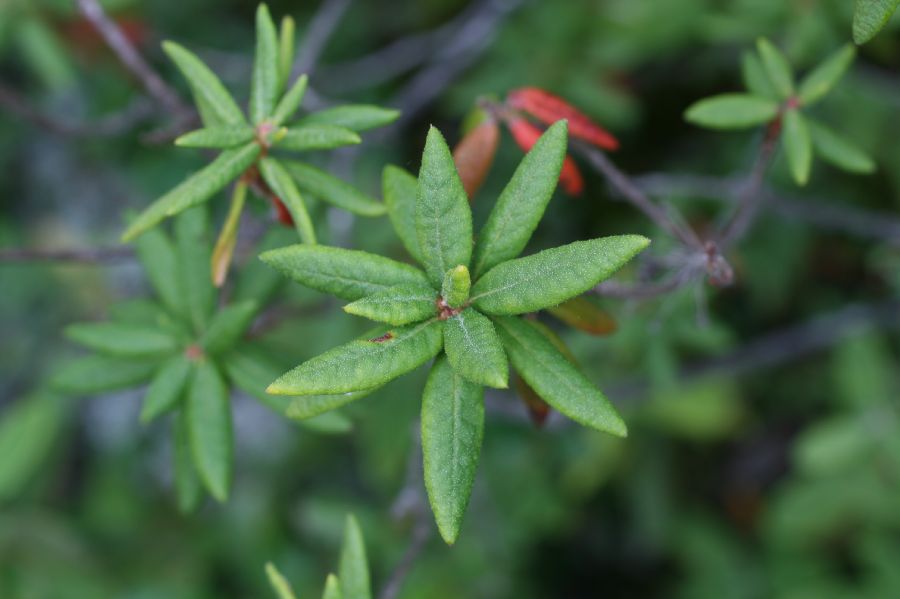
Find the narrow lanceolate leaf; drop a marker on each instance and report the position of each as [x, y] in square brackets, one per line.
[732, 111]
[279, 583]
[330, 189]
[317, 137]
[443, 217]
[353, 569]
[839, 151]
[99, 374]
[218, 107]
[228, 326]
[797, 145]
[311, 406]
[825, 76]
[196, 189]
[209, 421]
[363, 363]
[456, 286]
[290, 102]
[187, 484]
[522, 203]
[474, 350]
[160, 264]
[332, 588]
[118, 339]
[223, 251]
[347, 274]
[550, 277]
[286, 48]
[584, 315]
[358, 117]
[549, 109]
[283, 186]
[474, 154]
[29, 429]
[452, 431]
[870, 17]
[194, 257]
[555, 379]
[777, 68]
[755, 77]
[264, 82]
[400, 189]
[167, 387]
[398, 305]
[217, 137]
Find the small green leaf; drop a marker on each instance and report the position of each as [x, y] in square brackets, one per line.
[870, 17]
[777, 68]
[839, 151]
[141, 312]
[29, 429]
[317, 137]
[220, 261]
[797, 145]
[353, 569]
[216, 104]
[755, 77]
[452, 431]
[456, 286]
[732, 111]
[362, 364]
[167, 387]
[209, 420]
[347, 274]
[125, 340]
[443, 217]
[397, 305]
[400, 190]
[160, 264]
[194, 256]
[217, 137]
[228, 326]
[283, 186]
[555, 379]
[305, 407]
[330, 189]
[358, 117]
[187, 484]
[264, 82]
[290, 102]
[279, 583]
[522, 203]
[99, 374]
[834, 445]
[196, 189]
[825, 76]
[332, 588]
[552, 276]
[474, 350]
[286, 48]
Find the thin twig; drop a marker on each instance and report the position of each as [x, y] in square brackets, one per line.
[100, 255]
[319, 31]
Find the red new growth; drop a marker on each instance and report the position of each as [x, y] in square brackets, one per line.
[549, 108]
[281, 212]
[526, 135]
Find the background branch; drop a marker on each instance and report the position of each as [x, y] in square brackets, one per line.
[79, 255]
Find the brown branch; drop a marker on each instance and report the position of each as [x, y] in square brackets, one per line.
[101, 255]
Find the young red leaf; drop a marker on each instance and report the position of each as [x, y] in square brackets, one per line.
[474, 154]
[538, 409]
[570, 177]
[526, 135]
[550, 108]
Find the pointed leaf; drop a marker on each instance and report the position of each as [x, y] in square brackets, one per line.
[194, 256]
[286, 48]
[125, 340]
[290, 102]
[839, 151]
[281, 183]
[217, 137]
[777, 68]
[555, 379]
[549, 108]
[456, 286]
[223, 251]
[474, 349]
[99, 374]
[347, 274]
[317, 137]
[452, 431]
[228, 326]
[870, 17]
[167, 388]
[160, 264]
[264, 83]
[196, 189]
[824, 77]
[219, 108]
[357, 117]
[187, 484]
[552, 276]
[209, 420]
[732, 111]
[474, 154]
[332, 588]
[279, 583]
[362, 364]
[755, 77]
[397, 305]
[330, 189]
[353, 570]
[400, 190]
[29, 429]
[583, 314]
[797, 145]
[522, 203]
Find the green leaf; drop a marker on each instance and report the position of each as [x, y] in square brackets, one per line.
[317, 182]
[141, 312]
[353, 569]
[555, 379]
[264, 82]
[456, 286]
[777, 68]
[397, 305]
[167, 388]
[474, 350]
[358, 117]
[552, 276]
[29, 429]
[283, 186]
[99, 374]
[121, 339]
[217, 137]
[443, 217]
[452, 431]
[160, 264]
[825, 76]
[228, 326]
[208, 412]
[363, 364]
[317, 137]
[216, 104]
[305, 407]
[834, 445]
[347, 274]
[290, 102]
[187, 484]
[194, 256]
[870, 17]
[279, 583]
[223, 251]
[286, 48]
[332, 588]
[522, 203]
[839, 151]
[755, 77]
[797, 145]
[196, 189]
[732, 111]
[400, 190]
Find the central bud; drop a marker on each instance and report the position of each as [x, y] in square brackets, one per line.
[454, 292]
